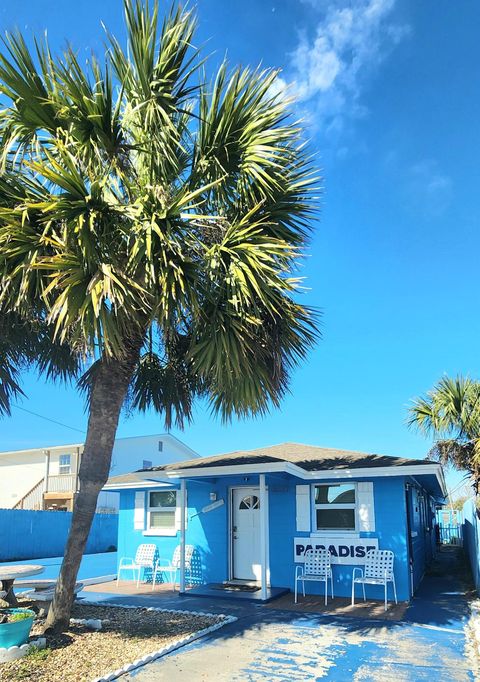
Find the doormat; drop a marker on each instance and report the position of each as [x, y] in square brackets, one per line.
[234, 587]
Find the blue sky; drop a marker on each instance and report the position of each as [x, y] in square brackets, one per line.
[390, 92]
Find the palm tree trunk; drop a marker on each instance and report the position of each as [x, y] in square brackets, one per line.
[108, 392]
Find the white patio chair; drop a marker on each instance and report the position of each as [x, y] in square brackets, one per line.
[378, 570]
[317, 568]
[173, 566]
[144, 558]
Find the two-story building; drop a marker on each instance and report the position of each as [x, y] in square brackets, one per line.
[47, 478]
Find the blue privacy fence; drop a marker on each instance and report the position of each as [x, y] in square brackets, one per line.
[471, 539]
[26, 534]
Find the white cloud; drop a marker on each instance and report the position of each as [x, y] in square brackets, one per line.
[429, 189]
[329, 69]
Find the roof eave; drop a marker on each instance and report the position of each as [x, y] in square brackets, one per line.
[142, 479]
[295, 470]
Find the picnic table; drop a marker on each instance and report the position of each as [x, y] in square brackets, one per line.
[8, 575]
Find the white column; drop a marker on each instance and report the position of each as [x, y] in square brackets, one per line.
[263, 535]
[77, 469]
[183, 496]
[47, 470]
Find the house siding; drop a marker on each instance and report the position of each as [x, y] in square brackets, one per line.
[390, 529]
[209, 532]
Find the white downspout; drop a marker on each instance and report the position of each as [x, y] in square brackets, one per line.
[77, 469]
[263, 536]
[182, 535]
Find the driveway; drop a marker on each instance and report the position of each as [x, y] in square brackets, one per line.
[276, 647]
[268, 645]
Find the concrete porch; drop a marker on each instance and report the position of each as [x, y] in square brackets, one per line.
[206, 598]
[165, 591]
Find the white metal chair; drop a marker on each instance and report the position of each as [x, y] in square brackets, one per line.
[317, 568]
[144, 558]
[378, 570]
[173, 566]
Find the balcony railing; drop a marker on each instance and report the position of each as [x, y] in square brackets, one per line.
[62, 483]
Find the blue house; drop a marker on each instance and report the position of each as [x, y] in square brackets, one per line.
[252, 515]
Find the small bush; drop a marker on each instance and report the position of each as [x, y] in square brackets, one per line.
[36, 654]
[6, 616]
[13, 617]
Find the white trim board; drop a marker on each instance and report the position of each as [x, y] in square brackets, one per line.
[325, 474]
[139, 484]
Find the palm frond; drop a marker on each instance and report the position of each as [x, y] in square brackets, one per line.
[450, 413]
[136, 200]
[451, 407]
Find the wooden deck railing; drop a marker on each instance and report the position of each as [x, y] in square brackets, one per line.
[33, 499]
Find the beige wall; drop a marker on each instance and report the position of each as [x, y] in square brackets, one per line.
[17, 476]
[23, 469]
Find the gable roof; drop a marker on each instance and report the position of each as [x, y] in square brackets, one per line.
[72, 446]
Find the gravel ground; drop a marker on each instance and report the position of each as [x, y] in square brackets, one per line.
[81, 655]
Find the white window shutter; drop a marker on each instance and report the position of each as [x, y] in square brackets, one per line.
[178, 510]
[365, 506]
[303, 507]
[139, 512]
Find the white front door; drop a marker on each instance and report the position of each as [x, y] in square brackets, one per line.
[246, 534]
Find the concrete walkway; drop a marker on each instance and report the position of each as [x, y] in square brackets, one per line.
[268, 645]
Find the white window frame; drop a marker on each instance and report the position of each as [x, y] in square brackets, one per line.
[332, 531]
[65, 466]
[170, 532]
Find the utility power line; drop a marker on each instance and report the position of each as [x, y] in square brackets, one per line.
[53, 421]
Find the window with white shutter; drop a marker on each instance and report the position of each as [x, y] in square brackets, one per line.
[162, 507]
[163, 512]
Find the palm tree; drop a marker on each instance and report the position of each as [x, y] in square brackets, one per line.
[450, 413]
[152, 223]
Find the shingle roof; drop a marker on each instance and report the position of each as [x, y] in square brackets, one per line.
[308, 457]
[132, 477]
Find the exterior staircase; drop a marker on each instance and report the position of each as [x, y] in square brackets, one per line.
[33, 499]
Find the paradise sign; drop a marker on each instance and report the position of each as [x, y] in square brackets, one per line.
[343, 550]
